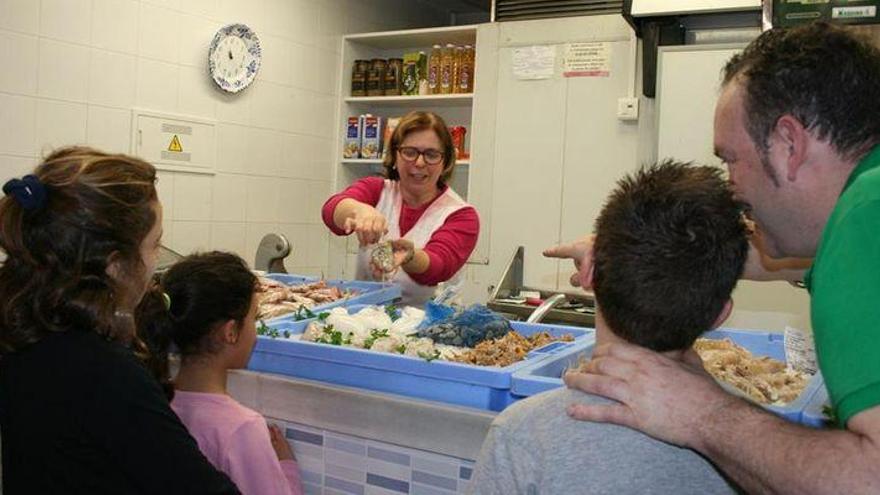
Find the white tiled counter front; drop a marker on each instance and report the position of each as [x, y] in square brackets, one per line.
[351, 441]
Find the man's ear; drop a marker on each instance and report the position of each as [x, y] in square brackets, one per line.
[723, 315]
[793, 139]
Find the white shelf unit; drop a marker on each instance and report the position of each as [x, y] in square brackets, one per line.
[456, 109]
[415, 38]
[451, 100]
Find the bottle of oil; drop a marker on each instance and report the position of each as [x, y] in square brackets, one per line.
[434, 70]
[457, 61]
[423, 74]
[447, 66]
[466, 72]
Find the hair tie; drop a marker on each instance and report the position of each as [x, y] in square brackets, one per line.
[28, 191]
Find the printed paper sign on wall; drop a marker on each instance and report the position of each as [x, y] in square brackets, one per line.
[587, 60]
[534, 62]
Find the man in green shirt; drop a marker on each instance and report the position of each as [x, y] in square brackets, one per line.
[844, 286]
[798, 124]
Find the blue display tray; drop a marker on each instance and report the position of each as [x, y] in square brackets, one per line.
[546, 375]
[484, 387]
[367, 293]
[814, 412]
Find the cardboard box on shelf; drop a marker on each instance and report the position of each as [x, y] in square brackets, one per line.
[371, 144]
[353, 135]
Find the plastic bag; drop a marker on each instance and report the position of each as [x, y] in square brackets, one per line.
[466, 328]
[436, 313]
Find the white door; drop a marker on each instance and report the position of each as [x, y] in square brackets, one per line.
[689, 79]
[559, 147]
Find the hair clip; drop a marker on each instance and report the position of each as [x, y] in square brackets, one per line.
[28, 191]
[167, 300]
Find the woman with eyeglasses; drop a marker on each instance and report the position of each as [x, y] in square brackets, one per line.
[432, 230]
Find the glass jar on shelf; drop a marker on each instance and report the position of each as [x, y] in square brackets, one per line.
[376, 77]
[393, 72]
[359, 77]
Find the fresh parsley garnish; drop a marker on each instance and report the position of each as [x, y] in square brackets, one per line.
[272, 333]
[374, 336]
[303, 313]
[262, 329]
[829, 414]
[430, 357]
[333, 337]
[392, 312]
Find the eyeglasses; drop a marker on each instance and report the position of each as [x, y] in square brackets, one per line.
[410, 154]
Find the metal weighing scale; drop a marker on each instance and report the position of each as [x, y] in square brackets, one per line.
[569, 308]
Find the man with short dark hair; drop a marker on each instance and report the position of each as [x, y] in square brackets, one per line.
[670, 247]
[798, 124]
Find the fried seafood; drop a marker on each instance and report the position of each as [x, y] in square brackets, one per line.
[765, 380]
[507, 350]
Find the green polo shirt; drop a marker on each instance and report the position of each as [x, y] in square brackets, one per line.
[844, 285]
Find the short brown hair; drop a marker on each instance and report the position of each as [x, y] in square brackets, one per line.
[414, 122]
[670, 246]
[97, 206]
[826, 76]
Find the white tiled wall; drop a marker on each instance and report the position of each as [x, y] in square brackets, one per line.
[74, 69]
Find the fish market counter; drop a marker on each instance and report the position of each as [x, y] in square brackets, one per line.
[384, 423]
[350, 440]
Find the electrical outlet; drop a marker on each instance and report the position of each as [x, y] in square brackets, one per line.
[628, 109]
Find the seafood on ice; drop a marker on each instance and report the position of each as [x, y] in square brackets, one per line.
[277, 298]
[388, 330]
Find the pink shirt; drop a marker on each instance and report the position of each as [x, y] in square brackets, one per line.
[449, 247]
[236, 441]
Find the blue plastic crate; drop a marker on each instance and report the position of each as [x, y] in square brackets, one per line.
[368, 292]
[484, 387]
[546, 375]
[772, 345]
[291, 279]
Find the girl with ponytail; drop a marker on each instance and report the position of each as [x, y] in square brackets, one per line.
[205, 307]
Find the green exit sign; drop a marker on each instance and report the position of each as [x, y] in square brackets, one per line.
[787, 13]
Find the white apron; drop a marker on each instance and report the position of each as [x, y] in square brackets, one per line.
[390, 206]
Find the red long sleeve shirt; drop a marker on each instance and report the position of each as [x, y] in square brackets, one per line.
[449, 246]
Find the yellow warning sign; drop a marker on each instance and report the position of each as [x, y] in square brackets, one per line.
[175, 145]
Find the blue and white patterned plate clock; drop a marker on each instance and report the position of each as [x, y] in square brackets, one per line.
[234, 57]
